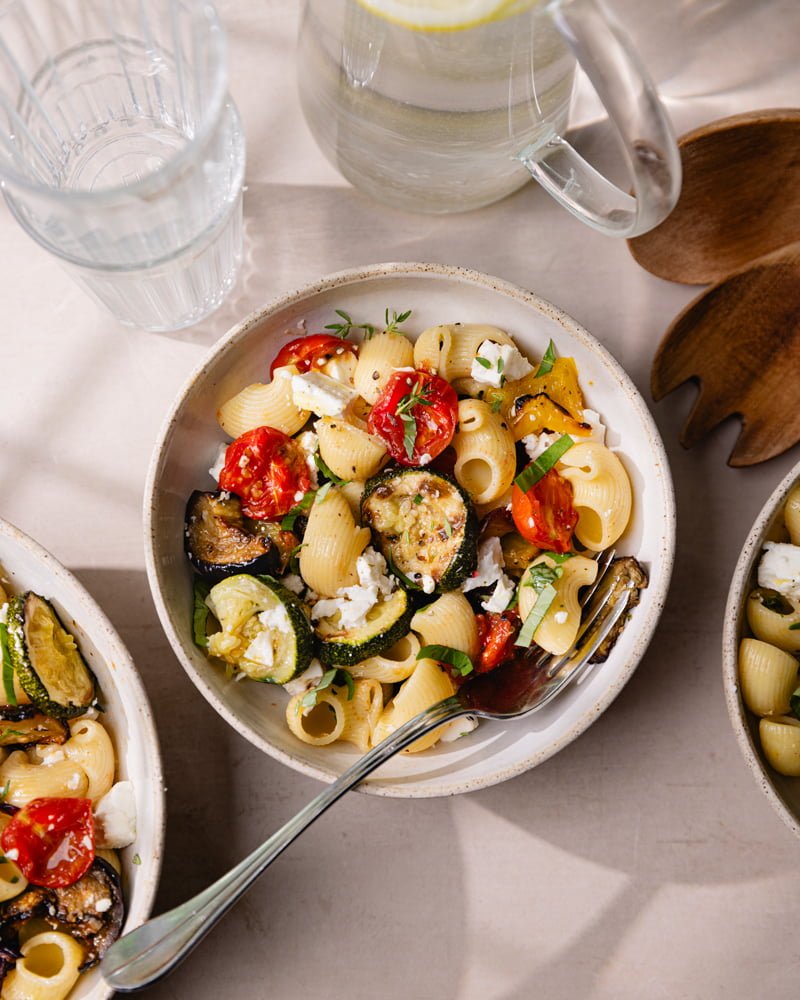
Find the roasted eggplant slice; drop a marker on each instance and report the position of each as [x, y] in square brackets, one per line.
[23, 725]
[632, 575]
[91, 911]
[219, 543]
[46, 660]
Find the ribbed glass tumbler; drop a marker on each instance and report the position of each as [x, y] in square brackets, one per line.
[121, 151]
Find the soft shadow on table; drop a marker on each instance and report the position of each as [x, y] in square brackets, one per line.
[349, 877]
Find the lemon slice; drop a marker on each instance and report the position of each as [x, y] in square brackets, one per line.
[445, 15]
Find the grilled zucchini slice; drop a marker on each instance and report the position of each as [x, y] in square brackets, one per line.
[424, 524]
[46, 660]
[385, 623]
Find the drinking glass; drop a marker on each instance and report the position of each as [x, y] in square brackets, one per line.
[437, 120]
[121, 151]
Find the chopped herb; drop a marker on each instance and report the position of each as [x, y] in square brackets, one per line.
[496, 405]
[8, 669]
[419, 396]
[501, 363]
[547, 362]
[406, 581]
[136, 859]
[546, 597]
[309, 699]
[11, 732]
[418, 498]
[4, 793]
[447, 654]
[484, 362]
[448, 528]
[351, 684]
[287, 523]
[200, 613]
[343, 329]
[14, 879]
[795, 627]
[322, 492]
[541, 574]
[325, 470]
[540, 466]
[294, 559]
[393, 323]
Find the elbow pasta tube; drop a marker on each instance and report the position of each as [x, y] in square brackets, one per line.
[320, 725]
[772, 626]
[90, 747]
[559, 627]
[485, 455]
[350, 452]
[449, 350]
[767, 677]
[28, 781]
[602, 494]
[394, 665]
[448, 621]
[378, 357]
[47, 970]
[780, 741]
[331, 545]
[260, 405]
[425, 687]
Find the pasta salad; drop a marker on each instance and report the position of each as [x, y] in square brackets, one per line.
[62, 814]
[768, 666]
[395, 515]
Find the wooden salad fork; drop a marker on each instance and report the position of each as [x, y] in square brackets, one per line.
[157, 946]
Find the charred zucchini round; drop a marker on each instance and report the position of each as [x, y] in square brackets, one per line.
[265, 632]
[218, 542]
[385, 624]
[425, 526]
[46, 660]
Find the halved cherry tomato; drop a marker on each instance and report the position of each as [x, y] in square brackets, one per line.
[51, 841]
[496, 635]
[311, 352]
[268, 470]
[545, 515]
[415, 406]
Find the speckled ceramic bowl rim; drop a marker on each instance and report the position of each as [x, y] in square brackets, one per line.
[731, 634]
[94, 622]
[646, 628]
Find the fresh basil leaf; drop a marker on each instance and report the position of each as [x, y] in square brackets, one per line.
[546, 597]
[795, 627]
[347, 677]
[8, 670]
[288, 522]
[447, 654]
[325, 470]
[548, 360]
[540, 466]
[540, 575]
[309, 699]
[199, 616]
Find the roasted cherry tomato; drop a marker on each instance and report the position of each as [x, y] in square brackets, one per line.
[545, 515]
[311, 352]
[268, 470]
[51, 841]
[496, 635]
[415, 416]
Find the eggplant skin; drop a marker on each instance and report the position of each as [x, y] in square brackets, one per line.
[25, 725]
[72, 909]
[218, 543]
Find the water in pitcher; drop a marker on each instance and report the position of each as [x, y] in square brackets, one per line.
[431, 120]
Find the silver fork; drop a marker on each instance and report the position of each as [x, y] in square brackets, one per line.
[157, 946]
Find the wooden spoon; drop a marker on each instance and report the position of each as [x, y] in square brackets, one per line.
[741, 340]
[740, 198]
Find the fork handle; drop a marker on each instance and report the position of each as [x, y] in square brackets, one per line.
[157, 946]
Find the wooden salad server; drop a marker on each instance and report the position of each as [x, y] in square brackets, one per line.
[741, 340]
[740, 198]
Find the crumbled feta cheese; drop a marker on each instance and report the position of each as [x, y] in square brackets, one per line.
[425, 458]
[560, 617]
[115, 816]
[102, 905]
[427, 582]
[372, 571]
[490, 566]
[458, 728]
[284, 372]
[218, 463]
[298, 496]
[496, 363]
[276, 617]
[261, 650]
[500, 596]
[537, 444]
[309, 679]
[12, 854]
[294, 583]
[598, 433]
[779, 569]
[340, 368]
[321, 394]
[354, 603]
[309, 442]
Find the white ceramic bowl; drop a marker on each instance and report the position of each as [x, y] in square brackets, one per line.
[27, 566]
[436, 294]
[782, 792]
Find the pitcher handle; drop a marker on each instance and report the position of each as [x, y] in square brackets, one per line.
[629, 96]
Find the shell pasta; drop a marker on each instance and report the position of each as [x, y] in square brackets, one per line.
[419, 512]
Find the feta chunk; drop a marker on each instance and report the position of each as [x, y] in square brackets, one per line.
[490, 566]
[598, 434]
[321, 394]
[309, 679]
[309, 442]
[373, 572]
[496, 363]
[501, 595]
[261, 650]
[276, 618]
[779, 569]
[354, 603]
[294, 583]
[537, 444]
[458, 728]
[427, 582]
[560, 617]
[218, 463]
[115, 816]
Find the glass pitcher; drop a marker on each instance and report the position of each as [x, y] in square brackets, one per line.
[434, 112]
